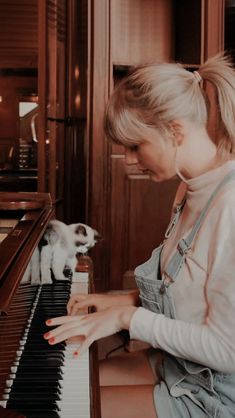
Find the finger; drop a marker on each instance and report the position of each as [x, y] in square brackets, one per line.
[56, 331]
[79, 307]
[83, 347]
[74, 309]
[60, 320]
[62, 333]
[74, 299]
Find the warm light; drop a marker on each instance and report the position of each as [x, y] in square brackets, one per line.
[26, 107]
[76, 72]
[0, 99]
[77, 100]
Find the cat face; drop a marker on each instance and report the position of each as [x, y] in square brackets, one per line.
[84, 236]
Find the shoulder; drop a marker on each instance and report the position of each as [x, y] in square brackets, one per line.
[225, 199]
[221, 214]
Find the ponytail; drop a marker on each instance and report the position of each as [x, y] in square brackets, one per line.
[219, 71]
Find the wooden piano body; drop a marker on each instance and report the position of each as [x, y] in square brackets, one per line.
[23, 220]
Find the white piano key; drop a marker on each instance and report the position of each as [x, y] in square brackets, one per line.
[75, 391]
[75, 386]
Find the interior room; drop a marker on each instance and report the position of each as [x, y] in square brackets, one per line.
[60, 61]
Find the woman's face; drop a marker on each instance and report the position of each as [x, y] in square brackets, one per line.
[154, 157]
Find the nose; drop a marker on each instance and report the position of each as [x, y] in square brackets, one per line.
[130, 156]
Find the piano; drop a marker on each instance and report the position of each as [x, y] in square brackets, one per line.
[38, 380]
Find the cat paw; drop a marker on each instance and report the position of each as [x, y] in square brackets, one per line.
[46, 280]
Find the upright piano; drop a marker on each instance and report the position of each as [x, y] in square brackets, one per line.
[38, 380]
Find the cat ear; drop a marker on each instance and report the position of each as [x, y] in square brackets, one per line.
[43, 242]
[81, 230]
[97, 236]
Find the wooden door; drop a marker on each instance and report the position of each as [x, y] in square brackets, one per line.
[51, 89]
[129, 210]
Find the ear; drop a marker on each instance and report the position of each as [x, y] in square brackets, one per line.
[81, 230]
[97, 236]
[178, 132]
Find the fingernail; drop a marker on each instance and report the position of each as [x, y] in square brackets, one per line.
[76, 353]
[48, 322]
[46, 335]
[51, 340]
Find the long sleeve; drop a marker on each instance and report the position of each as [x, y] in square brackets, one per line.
[193, 342]
[203, 331]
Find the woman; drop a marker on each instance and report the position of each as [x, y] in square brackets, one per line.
[187, 288]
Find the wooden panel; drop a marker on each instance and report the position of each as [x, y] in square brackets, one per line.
[56, 15]
[77, 144]
[213, 43]
[98, 177]
[188, 31]
[214, 27]
[229, 33]
[18, 33]
[140, 214]
[9, 109]
[141, 31]
[52, 77]
[42, 96]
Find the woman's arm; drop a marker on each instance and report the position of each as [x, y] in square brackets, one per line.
[212, 342]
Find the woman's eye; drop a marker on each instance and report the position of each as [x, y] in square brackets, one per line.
[134, 148]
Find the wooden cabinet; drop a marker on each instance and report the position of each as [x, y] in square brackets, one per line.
[33, 69]
[44, 58]
[128, 210]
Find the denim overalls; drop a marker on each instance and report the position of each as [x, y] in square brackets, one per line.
[187, 389]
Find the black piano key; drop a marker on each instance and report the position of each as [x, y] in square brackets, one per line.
[27, 405]
[42, 397]
[30, 377]
[39, 355]
[42, 413]
[38, 377]
[47, 360]
[37, 387]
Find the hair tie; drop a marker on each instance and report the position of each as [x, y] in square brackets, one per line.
[197, 76]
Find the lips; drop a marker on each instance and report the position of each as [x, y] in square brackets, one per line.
[146, 171]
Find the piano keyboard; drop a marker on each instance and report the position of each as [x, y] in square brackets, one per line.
[44, 381]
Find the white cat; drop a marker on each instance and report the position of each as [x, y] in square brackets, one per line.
[57, 249]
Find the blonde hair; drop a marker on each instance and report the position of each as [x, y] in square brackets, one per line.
[156, 94]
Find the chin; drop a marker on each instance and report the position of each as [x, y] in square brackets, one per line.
[158, 178]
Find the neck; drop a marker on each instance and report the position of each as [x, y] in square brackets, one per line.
[199, 155]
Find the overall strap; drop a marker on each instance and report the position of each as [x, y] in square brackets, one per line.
[175, 217]
[184, 244]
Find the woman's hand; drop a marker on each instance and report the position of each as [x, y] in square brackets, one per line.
[90, 327]
[100, 301]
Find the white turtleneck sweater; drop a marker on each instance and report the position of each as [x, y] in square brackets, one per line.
[204, 291]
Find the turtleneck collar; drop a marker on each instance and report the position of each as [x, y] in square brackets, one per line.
[210, 178]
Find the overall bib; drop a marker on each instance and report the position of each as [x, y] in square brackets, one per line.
[187, 389]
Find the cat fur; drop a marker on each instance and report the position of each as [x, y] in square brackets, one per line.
[58, 249]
